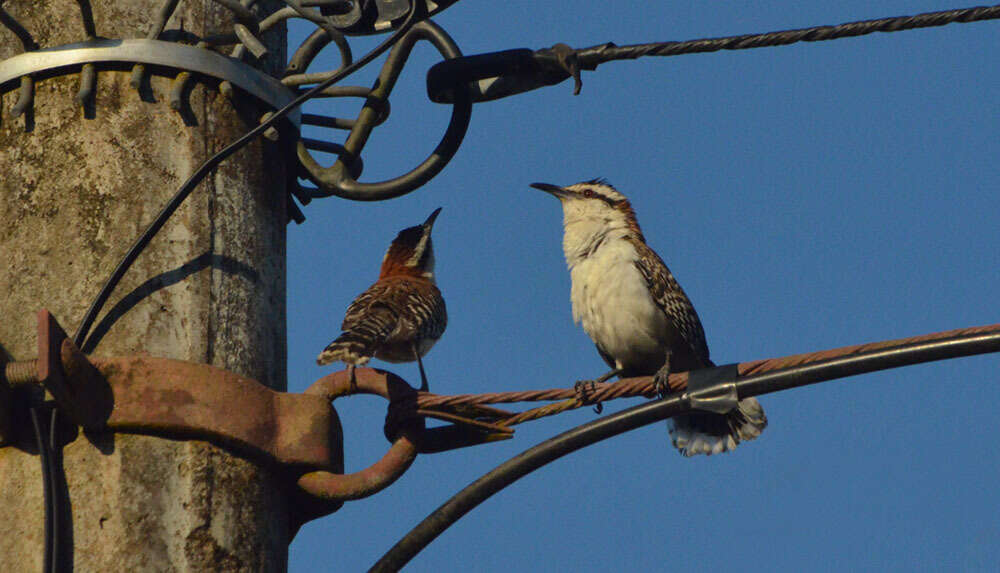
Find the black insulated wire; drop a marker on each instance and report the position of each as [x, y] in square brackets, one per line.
[80, 337]
[592, 432]
[48, 491]
[55, 492]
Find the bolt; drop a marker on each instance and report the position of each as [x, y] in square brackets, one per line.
[21, 372]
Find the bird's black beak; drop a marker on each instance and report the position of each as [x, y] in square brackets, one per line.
[549, 188]
[429, 223]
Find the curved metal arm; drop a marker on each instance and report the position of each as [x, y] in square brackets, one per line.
[307, 51]
[337, 179]
[157, 52]
[334, 487]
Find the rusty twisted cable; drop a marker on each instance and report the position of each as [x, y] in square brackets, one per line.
[569, 399]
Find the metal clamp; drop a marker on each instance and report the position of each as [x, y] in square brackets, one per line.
[339, 179]
[713, 389]
[496, 75]
[155, 52]
[363, 17]
[64, 372]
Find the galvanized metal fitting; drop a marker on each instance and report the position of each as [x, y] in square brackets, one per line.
[70, 57]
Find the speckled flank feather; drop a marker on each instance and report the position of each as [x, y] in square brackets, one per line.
[383, 320]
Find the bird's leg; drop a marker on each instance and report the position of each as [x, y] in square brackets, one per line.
[582, 387]
[608, 375]
[354, 377]
[420, 364]
[661, 380]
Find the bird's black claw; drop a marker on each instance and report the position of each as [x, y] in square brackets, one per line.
[583, 389]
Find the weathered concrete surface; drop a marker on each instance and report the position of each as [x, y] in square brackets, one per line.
[75, 192]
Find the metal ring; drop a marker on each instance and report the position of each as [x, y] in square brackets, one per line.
[337, 180]
[332, 487]
[156, 52]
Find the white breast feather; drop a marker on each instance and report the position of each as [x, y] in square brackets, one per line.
[611, 300]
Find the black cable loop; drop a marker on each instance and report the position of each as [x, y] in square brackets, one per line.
[637, 416]
[80, 337]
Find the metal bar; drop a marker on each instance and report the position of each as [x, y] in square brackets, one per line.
[313, 45]
[87, 15]
[25, 95]
[156, 52]
[159, 396]
[325, 121]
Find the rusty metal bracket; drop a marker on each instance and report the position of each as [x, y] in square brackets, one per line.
[404, 426]
[299, 433]
[174, 398]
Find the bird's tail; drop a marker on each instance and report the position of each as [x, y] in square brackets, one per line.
[707, 433]
[359, 342]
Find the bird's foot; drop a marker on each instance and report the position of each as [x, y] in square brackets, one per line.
[661, 381]
[583, 389]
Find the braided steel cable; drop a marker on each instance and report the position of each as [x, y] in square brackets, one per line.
[511, 72]
[608, 52]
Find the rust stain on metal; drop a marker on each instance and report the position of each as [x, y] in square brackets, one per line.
[178, 398]
[186, 400]
[335, 487]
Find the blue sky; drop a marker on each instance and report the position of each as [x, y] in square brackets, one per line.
[806, 197]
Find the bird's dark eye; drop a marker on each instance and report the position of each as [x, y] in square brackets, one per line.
[588, 193]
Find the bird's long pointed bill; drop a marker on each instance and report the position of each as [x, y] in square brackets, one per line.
[430, 220]
[550, 188]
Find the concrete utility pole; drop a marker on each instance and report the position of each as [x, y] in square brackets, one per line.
[75, 192]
